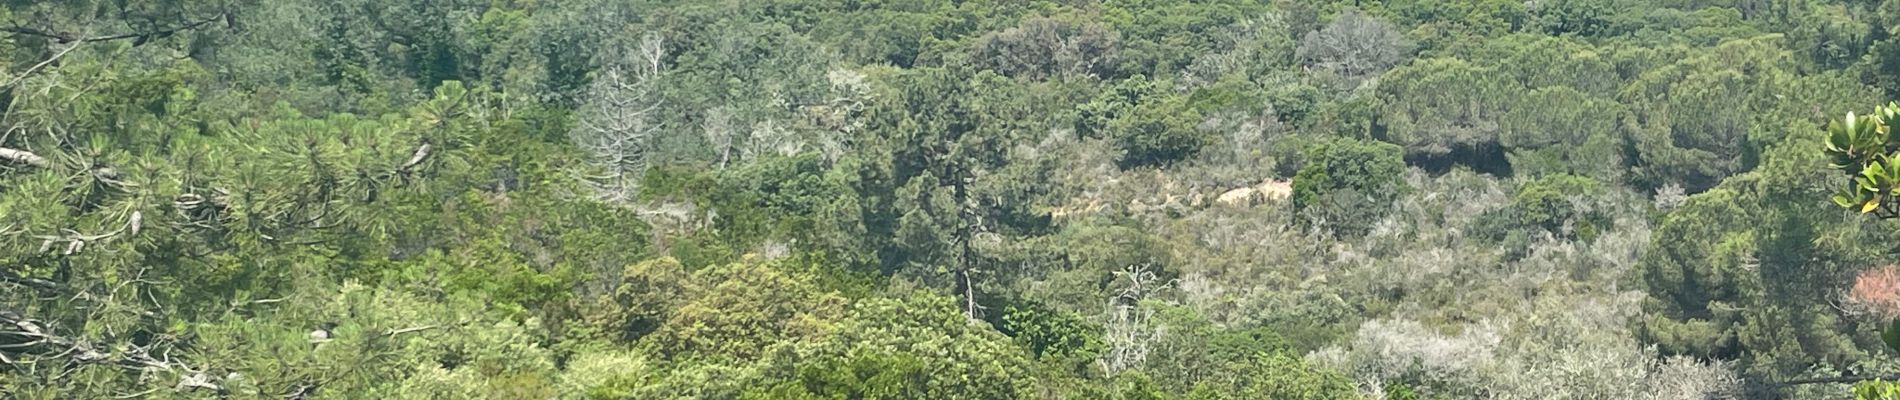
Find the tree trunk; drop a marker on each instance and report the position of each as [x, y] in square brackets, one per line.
[966, 230]
[969, 294]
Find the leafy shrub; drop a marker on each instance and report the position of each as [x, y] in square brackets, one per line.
[1160, 132]
[1347, 185]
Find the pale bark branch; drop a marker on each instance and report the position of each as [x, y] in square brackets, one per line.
[394, 332]
[421, 154]
[39, 339]
[22, 157]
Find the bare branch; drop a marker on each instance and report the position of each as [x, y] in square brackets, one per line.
[22, 157]
[421, 154]
[36, 338]
[615, 127]
[394, 332]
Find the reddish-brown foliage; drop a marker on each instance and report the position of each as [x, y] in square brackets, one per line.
[1876, 292]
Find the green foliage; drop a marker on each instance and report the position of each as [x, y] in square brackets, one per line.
[1348, 185]
[1559, 130]
[1282, 375]
[1764, 274]
[933, 198]
[1051, 333]
[1890, 335]
[1558, 204]
[1206, 361]
[1688, 127]
[1863, 147]
[1153, 127]
[1876, 390]
[919, 346]
[1580, 17]
[1158, 133]
[1438, 106]
[739, 310]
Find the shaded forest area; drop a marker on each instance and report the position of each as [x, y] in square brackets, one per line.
[977, 199]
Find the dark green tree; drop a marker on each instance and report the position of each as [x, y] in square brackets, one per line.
[1348, 185]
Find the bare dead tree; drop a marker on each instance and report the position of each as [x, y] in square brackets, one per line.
[1043, 47]
[616, 126]
[768, 138]
[1355, 46]
[839, 115]
[1130, 333]
[719, 130]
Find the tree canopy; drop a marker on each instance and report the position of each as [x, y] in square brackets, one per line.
[883, 199]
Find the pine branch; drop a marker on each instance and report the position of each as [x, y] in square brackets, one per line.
[140, 37]
[31, 336]
[36, 283]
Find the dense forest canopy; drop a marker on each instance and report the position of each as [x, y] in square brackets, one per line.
[978, 199]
